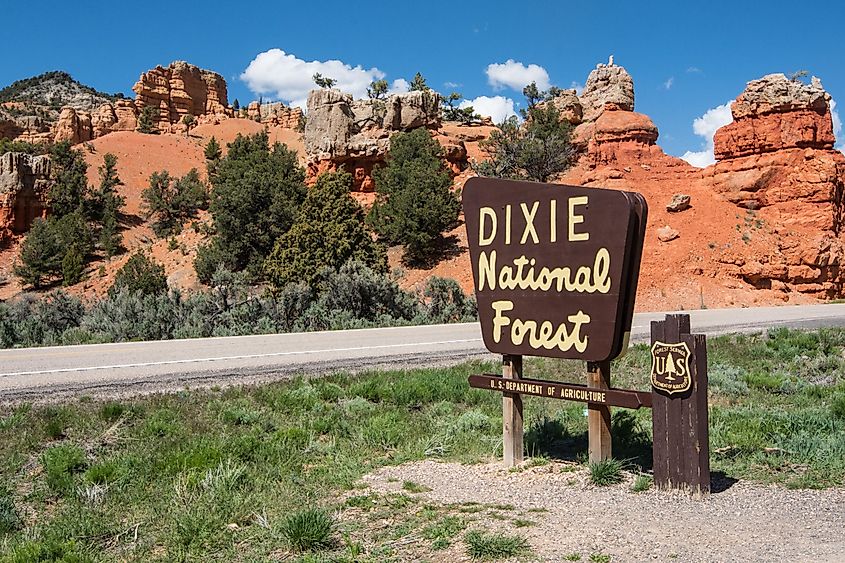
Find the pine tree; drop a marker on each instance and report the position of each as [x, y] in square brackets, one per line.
[147, 120]
[414, 201]
[41, 255]
[73, 266]
[212, 150]
[109, 205]
[323, 81]
[70, 184]
[418, 83]
[170, 201]
[328, 232]
[140, 273]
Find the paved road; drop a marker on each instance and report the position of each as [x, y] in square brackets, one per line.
[36, 374]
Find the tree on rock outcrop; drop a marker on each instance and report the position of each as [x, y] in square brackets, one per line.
[449, 112]
[328, 232]
[323, 81]
[538, 149]
[414, 201]
[256, 192]
[418, 83]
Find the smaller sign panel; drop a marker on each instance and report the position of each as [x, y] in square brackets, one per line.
[670, 371]
[565, 391]
[555, 266]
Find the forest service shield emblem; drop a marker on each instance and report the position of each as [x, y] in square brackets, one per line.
[670, 370]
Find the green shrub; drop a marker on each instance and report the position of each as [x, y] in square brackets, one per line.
[61, 463]
[328, 232]
[642, 483]
[140, 274]
[606, 472]
[308, 530]
[486, 545]
[111, 411]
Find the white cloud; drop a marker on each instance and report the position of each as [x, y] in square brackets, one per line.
[452, 85]
[515, 75]
[398, 86]
[705, 127]
[289, 78]
[694, 70]
[498, 108]
[837, 127]
[668, 84]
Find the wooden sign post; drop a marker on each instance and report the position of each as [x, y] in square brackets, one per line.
[680, 419]
[555, 270]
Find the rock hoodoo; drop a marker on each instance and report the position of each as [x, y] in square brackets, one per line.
[24, 180]
[342, 131]
[181, 89]
[607, 84]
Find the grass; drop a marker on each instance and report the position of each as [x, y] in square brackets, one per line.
[217, 474]
[487, 545]
[606, 472]
[642, 483]
[308, 530]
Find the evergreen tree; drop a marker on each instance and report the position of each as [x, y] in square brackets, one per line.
[41, 255]
[414, 201]
[188, 121]
[236, 105]
[256, 192]
[107, 206]
[73, 266]
[147, 120]
[70, 184]
[452, 113]
[537, 150]
[212, 150]
[328, 232]
[170, 201]
[140, 273]
[323, 81]
[418, 83]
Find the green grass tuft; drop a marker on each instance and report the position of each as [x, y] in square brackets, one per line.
[486, 545]
[61, 463]
[412, 487]
[642, 483]
[308, 530]
[607, 472]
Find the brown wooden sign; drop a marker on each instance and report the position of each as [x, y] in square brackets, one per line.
[555, 266]
[565, 391]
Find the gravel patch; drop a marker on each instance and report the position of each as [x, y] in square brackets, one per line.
[743, 522]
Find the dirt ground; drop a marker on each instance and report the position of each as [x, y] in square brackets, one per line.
[741, 521]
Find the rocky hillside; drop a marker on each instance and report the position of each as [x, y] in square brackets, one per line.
[29, 108]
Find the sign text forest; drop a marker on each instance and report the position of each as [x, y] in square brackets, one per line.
[555, 266]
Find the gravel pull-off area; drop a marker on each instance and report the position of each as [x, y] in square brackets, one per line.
[743, 522]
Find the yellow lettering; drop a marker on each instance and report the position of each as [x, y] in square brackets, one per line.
[500, 320]
[508, 224]
[576, 219]
[553, 221]
[487, 270]
[529, 222]
[486, 213]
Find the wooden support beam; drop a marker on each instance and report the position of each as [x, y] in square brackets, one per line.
[598, 416]
[512, 417]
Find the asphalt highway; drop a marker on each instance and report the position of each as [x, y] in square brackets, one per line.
[51, 373]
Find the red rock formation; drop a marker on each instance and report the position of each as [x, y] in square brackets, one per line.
[778, 156]
[181, 89]
[73, 126]
[24, 180]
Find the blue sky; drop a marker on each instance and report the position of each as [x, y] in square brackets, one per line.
[685, 58]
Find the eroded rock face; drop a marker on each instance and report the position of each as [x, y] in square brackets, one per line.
[181, 89]
[775, 113]
[342, 131]
[778, 156]
[24, 181]
[73, 126]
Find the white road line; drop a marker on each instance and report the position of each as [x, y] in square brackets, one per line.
[243, 357]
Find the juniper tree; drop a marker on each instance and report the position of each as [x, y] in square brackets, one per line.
[328, 232]
[170, 201]
[107, 205]
[140, 274]
[418, 83]
[414, 201]
[147, 120]
[323, 81]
